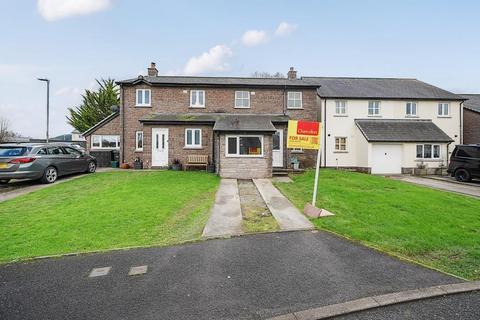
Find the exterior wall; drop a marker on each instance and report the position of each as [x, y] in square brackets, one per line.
[177, 100]
[344, 126]
[471, 126]
[176, 144]
[246, 167]
[113, 127]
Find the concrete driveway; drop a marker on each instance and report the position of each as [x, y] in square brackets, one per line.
[444, 183]
[248, 277]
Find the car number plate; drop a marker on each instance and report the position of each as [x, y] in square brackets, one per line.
[3, 165]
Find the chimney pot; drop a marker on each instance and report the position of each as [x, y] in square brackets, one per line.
[152, 70]
[292, 74]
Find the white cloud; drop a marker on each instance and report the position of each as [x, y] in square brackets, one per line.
[285, 29]
[211, 61]
[52, 10]
[254, 37]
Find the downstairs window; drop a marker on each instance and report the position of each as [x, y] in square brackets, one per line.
[244, 146]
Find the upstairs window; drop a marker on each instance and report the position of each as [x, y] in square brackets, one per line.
[294, 100]
[411, 109]
[143, 98]
[374, 108]
[340, 108]
[197, 98]
[242, 99]
[139, 141]
[443, 109]
[428, 151]
[193, 138]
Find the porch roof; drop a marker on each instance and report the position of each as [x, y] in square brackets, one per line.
[400, 130]
[222, 121]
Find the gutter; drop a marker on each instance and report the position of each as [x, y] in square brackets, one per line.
[461, 123]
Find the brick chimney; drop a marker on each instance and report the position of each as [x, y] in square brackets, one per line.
[292, 74]
[152, 70]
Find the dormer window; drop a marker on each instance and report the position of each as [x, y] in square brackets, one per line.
[197, 98]
[143, 98]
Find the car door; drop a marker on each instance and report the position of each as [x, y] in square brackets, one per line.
[77, 162]
[59, 159]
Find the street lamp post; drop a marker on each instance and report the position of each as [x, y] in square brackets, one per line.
[48, 101]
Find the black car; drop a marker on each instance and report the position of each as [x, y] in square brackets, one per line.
[465, 162]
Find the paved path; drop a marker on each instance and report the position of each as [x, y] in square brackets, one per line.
[467, 189]
[287, 215]
[30, 186]
[226, 213]
[249, 277]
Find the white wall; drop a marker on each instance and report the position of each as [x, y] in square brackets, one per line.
[344, 126]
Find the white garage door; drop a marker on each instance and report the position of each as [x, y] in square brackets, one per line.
[387, 158]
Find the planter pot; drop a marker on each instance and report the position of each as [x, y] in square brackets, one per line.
[114, 164]
[176, 167]
[124, 166]
[296, 166]
[138, 165]
[211, 168]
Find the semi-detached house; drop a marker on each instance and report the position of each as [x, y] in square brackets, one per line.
[372, 125]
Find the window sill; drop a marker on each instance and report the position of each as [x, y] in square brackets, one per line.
[104, 149]
[193, 148]
[197, 107]
[138, 150]
[340, 151]
[412, 116]
[374, 116]
[243, 156]
[294, 108]
[143, 106]
[242, 107]
[444, 116]
[340, 115]
[428, 160]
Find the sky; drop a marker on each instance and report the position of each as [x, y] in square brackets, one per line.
[74, 42]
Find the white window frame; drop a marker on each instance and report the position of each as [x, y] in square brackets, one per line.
[142, 103]
[137, 140]
[105, 148]
[197, 93]
[432, 155]
[443, 114]
[193, 145]
[335, 144]
[379, 108]
[238, 155]
[412, 103]
[242, 99]
[337, 108]
[294, 99]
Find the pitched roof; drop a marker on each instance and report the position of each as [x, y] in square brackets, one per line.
[208, 117]
[100, 123]
[473, 102]
[400, 130]
[218, 81]
[379, 88]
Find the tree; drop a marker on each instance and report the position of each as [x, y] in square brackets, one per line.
[5, 132]
[96, 105]
[263, 74]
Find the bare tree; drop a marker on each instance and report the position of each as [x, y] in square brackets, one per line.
[263, 74]
[5, 133]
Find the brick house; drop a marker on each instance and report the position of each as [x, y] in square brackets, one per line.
[471, 119]
[375, 125]
[240, 123]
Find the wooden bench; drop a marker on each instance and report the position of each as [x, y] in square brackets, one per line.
[196, 161]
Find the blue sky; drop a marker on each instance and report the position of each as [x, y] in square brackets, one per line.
[73, 42]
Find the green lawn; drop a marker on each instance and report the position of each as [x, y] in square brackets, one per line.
[436, 228]
[107, 210]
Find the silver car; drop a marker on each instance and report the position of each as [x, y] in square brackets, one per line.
[43, 161]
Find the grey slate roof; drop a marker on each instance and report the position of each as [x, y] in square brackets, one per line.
[379, 88]
[221, 121]
[400, 130]
[219, 81]
[100, 123]
[473, 102]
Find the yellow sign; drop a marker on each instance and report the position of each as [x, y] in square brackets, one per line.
[303, 134]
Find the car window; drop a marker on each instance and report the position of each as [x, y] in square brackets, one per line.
[42, 151]
[12, 151]
[468, 152]
[55, 150]
[72, 151]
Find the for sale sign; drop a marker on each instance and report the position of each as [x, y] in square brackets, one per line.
[303, 134]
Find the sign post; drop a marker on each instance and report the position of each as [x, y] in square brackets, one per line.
[306, 135]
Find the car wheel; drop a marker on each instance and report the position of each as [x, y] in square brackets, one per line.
[462, 175]
[50, 175]
[91, 167]
[4, 181]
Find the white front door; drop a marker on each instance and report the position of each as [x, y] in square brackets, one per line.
[159, 147]
[277, 149]
[387, 158]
